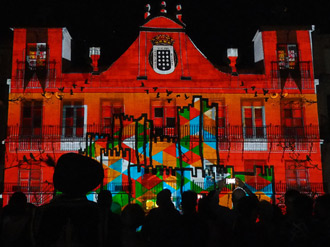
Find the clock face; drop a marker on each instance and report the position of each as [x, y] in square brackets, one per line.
[163, 59]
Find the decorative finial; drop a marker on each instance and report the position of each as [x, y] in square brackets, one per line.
[148, 7]
[147, 13]
[163, 10]
[179, 15]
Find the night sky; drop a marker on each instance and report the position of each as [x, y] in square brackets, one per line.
[113, 25]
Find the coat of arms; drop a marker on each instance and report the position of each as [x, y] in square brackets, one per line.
[162, 56]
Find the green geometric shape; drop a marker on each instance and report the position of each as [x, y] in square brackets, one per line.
[205, 107]
[185, 164]
[196, 150]
[195, 187]
[139, 189]
[140, 128]
[268, 178]
[185, 114]
[186, 145]
[140, 144]
[242, 177]
[121, 198]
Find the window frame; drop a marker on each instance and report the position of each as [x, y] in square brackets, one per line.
[112, 104]
[302, 181]
[254, 128]
[285, 63]
[74, 105]
[293, 131]
[161, 124]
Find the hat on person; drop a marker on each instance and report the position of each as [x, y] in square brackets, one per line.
[76, 174]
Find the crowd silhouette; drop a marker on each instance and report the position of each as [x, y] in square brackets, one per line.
[72, 220]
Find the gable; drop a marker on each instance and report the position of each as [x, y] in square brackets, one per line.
[162, 22]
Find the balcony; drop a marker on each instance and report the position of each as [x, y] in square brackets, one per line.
[304, 73]
[197, 186]
[29, 187]
[18, 82]
[51, 137]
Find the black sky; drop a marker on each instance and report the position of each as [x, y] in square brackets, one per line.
[212, 25]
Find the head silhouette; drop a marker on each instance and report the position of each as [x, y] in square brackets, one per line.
[76, 174]
[290, 196]
[238, 194]
[189, 201]
[132, 216]
[164, 198]
[18, 202]
[104, 199]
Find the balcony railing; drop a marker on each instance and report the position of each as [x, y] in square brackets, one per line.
[29, 187]
[119, 187]
[34, 82]
[304, 73]
[52, 133]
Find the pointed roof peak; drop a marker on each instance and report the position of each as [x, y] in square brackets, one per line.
[161, 11]
[163, 22]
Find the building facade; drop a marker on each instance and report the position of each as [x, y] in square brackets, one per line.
[162, 116]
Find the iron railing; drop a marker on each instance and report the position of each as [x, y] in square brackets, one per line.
[196, 186]
[53, 133]
[303, 72]
[29, 187]
[34, 82]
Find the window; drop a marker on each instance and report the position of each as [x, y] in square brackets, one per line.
[253, 119]
[287, 56]
[292, 118]
[296, 173]
[73, 119]
[254, 167]
[36, 55]
[30, 129]
[31, 118]
[250, 164]
[30, 181]
[109, 110]
[164, 117]
[221, 119]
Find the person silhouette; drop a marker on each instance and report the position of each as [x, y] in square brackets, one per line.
[15, 222]
[161, 224]
[70, 219]
[193, 227]
[322, 219]
[132, 218]
[110, 223]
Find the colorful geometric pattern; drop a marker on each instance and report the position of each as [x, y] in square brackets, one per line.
[138, 164]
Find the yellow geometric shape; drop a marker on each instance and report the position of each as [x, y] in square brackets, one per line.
[159, 146]
[110, 174]
[171, 181]
[225, 200]
[169, 160]
[197, 164]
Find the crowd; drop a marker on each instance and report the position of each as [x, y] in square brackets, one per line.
[72, 220]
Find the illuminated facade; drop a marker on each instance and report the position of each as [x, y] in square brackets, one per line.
[162, 116]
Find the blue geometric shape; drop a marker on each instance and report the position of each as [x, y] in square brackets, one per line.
[141, 151]
[158, 157]
[135, 174]
[117, 166]
[212, 144]
[194, 125]
[117, 181]
[184, 150]
[267, 189]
